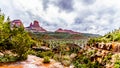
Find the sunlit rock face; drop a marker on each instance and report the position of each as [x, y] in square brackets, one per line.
[114, 46]
[66, 31]
[16, 23]
[35, 27]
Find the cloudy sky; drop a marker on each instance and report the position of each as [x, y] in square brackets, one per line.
[90, 16]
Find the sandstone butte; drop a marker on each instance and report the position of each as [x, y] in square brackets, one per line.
[35, 27]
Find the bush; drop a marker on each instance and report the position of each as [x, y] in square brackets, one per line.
[46, 59]
[66, 62]
[117, 64]
[21, 42]
[57, 57]
[43, 54]
[8, 58]
[31, 52]
[16, 39]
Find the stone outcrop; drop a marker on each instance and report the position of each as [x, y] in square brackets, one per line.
[36, 24]
[16, 23]
[114, 46]
[66, 31]
[35, 27]
[42, 48]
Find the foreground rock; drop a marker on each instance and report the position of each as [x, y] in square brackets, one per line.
[113, 46]
[35, 62]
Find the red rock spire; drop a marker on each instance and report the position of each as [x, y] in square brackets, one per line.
[36, 24]
[31, 25]
[35, 27]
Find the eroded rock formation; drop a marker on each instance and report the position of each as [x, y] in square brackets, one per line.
[114, 46]
[66, 31]
[35, 27]
[16, 23]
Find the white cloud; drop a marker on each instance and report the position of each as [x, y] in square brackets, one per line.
[100, 16]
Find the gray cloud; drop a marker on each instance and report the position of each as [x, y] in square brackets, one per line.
[88, 2]
[91, 16]
[78, 20]
[45, 4]
[66, 5]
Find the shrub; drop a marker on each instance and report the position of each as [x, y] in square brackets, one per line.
[117, 64]
[66, 62]
[31, 52]
[16, 39]
[43, 54]
[8, 58]
[46, 59]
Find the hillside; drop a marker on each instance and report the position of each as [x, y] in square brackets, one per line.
[113, 36]
[59, 35]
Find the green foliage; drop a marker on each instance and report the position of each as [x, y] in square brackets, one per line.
[66, 57]
[44, 54]
[110, 37]
[84, 60]
[21, 42]
[117, 61]
[31, 52]
[14, 39]
[8, 58]
[56, 57]
[46, 59]
[107, 58]
[117, 64]
[57, 35]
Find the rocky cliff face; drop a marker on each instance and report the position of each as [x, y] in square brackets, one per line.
[35, 27]
[114, 46]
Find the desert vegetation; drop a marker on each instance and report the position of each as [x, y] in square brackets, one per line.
[14, 42]
[100, 52]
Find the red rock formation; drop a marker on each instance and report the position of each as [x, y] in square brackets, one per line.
[16, 23]
[30, 25]
[66, 31]
[36, 24]
[60, 30]
[35, 27]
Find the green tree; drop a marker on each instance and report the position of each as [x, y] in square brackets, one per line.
[16, 40]
[21, 42]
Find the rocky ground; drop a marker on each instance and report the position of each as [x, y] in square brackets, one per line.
[35, 62]
[107, 54]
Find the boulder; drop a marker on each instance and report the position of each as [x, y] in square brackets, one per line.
[73, 55]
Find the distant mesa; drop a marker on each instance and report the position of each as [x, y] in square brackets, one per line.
[35, 27]
[60, 30]
[16, 23]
